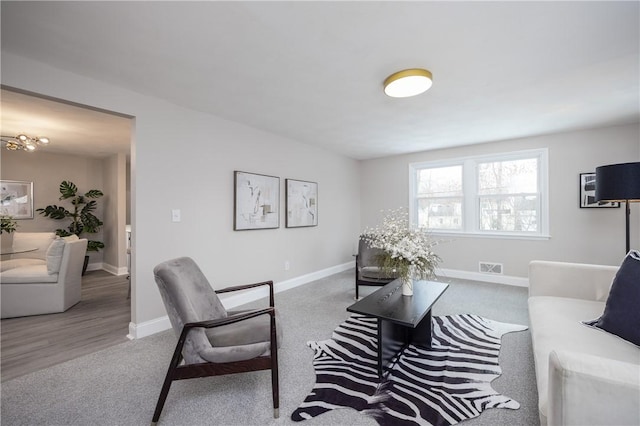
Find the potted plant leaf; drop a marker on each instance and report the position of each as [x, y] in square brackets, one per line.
[83, 220]
[7, 227]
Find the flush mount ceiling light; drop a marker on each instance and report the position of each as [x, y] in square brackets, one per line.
[405, 83]
[23, 142]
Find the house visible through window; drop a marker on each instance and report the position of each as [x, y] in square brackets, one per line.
[503, 194]
[440, 197]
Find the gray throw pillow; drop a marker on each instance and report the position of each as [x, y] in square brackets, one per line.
[621, 314]
[54, 256]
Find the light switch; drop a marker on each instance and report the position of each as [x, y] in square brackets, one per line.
[175, 215]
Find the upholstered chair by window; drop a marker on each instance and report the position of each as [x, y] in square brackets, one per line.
[367, 270]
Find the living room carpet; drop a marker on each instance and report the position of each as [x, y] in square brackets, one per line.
[120, 385]
[443, 385]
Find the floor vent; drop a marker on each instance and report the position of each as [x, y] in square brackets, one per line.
[491, 268]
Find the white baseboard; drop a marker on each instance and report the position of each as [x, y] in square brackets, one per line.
[147, 328]
[232, 301]
[479, 276]
[313, 276]
[95, 266]
[113, 270]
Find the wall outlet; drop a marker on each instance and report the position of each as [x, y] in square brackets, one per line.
[287, 265]
[175, 215]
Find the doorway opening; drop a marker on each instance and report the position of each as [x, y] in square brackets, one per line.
[92, 148]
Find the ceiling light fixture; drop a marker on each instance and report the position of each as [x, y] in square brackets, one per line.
[405, 83]
[23, 142]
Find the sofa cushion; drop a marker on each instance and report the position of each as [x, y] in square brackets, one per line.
[5, 265]
[621, 314]
[591, 390]
[556, 325]
[72, 237]
[54, 255]
[55, 252]
[29, 274]
[39, 240]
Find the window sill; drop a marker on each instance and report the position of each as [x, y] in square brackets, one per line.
[450, 234]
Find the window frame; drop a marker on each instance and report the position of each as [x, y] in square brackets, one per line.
[471, 197]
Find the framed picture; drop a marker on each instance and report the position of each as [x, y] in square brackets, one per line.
[16, 199]
[257, 201]
[588, 193]
[302, 203]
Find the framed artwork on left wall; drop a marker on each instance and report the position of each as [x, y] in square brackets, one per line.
[16, 199]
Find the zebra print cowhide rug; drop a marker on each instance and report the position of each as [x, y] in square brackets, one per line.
[443, 385]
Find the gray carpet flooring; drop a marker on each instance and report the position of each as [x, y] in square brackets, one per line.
[120, 385]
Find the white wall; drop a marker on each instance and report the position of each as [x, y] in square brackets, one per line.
[115, 204]
[183, 159]
[577, 235]
[46, 171]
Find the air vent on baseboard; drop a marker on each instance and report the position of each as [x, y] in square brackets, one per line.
[491, 268]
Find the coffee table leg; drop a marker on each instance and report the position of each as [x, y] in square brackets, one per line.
[421, 335]
[392, 338]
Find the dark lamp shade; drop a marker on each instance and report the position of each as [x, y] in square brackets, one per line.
[618, 182]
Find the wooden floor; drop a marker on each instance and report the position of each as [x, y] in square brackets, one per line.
[100, 320]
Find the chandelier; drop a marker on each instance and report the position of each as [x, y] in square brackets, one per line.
[23, 142]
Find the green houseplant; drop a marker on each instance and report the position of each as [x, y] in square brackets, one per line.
[83, 221]
[7, 224]
[7, 227]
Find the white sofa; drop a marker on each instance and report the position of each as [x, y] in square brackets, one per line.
[585, 376]
[44, 281]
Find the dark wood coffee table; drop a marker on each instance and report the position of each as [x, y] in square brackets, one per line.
[402, 320]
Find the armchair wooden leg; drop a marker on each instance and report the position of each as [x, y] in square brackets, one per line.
[162, 398]
[175, 360]
[275, 389]
[356, 281]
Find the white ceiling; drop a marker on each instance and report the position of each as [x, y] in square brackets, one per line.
[71, 129]
[313, 71]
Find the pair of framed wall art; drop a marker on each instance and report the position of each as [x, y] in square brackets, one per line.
[257, 202]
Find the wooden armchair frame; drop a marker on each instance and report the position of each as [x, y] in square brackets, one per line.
[206, 369]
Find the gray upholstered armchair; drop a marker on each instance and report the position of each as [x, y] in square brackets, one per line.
[211, 340]
[367, 270]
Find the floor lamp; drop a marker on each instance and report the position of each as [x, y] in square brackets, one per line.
[621, 183]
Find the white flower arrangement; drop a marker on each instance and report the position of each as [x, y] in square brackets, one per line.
[407, 250]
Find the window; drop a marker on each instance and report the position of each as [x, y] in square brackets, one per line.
[502, 194]
[440, 197]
